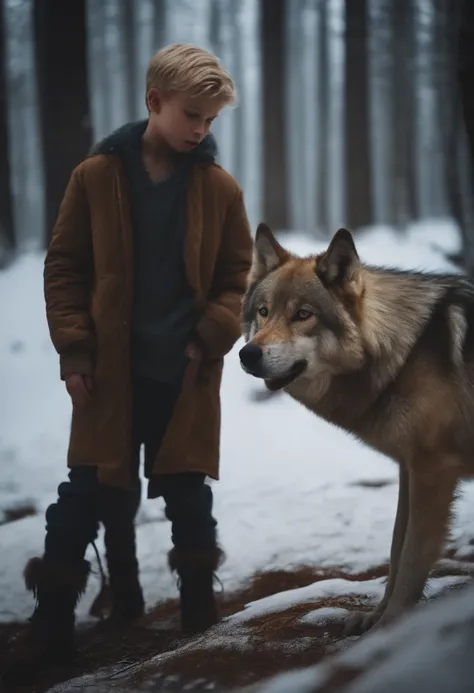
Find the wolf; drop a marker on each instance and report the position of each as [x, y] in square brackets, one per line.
[387, 355]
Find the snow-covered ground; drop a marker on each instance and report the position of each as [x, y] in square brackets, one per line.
[414, 654]
[288, 492]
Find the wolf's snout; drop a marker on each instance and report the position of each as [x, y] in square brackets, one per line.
[250, 356]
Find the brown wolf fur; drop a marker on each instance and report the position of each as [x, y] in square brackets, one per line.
[387, 355]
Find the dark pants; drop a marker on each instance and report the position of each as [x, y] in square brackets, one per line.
[73, 521]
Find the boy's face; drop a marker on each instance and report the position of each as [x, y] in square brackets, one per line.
[183, 121]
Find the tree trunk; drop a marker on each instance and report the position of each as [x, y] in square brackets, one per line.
[465, 74]
[63, 94]
[23, 123]
[359, 201]
[381, 96]
[274, 175]
[7, 237]
[336, 160]
[404, 191]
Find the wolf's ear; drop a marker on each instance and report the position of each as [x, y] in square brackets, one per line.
[340, 264]
[268, 254]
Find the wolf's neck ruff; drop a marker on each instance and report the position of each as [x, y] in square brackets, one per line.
[396, 306]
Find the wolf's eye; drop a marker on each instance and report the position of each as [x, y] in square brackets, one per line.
[302, 315]
[263, 311]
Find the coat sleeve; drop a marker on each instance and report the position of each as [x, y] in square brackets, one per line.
[68, 273]
[220, 326]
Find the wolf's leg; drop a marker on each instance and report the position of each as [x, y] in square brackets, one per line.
[430, 499]
[431, 493]
[361, 621]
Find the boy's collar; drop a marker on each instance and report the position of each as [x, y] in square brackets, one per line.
[123, 137]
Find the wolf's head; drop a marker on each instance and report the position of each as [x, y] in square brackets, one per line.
[302, 315]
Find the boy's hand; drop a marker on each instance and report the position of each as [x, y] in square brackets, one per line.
[79, 388]
[194, 351]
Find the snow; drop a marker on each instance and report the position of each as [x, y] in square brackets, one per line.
[370, 591]
[414, 654]
[324, 615]
[289, 492]
[297, 682]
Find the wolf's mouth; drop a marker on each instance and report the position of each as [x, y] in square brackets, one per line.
[274, 384]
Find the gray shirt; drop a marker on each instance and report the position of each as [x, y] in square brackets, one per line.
[164, 313]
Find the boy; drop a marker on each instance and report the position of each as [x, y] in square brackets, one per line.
[143, 282]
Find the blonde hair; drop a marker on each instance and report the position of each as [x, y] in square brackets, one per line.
[182, 67]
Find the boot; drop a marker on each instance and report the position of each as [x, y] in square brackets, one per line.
[196, 569]
[49, 640]
[128, 604]
[120, 600]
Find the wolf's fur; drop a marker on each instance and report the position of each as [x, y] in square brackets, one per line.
[387, 355]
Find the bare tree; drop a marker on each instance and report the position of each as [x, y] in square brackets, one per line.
[404, 201]
[6, 220]
[359, 173]
[461, 166]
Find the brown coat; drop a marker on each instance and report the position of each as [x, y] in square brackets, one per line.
[88, 289]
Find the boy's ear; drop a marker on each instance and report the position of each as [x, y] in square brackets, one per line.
[153, 100]
[268, 254]
[340, 264]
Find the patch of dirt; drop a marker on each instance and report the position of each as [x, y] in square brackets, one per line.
[158, 632]
[271, 582]
[18, 512]
[233, 654]
[273, 643]
[98, 647]
[231, 668]
[374, 483]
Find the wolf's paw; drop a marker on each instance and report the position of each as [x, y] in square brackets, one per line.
[359, 622]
